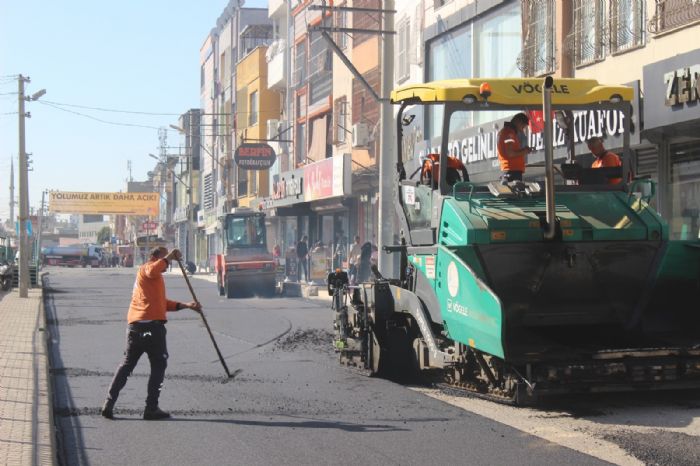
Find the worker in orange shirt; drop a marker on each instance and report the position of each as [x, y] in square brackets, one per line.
[511, 152]
[603, 157]
[146, 332]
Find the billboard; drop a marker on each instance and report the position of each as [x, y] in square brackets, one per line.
[63, 202]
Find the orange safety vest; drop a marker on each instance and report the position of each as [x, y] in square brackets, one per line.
[432, 164]
[609, 159]
[509, 135]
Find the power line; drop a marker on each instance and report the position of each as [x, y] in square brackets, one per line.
[102, 109]
[95, 118]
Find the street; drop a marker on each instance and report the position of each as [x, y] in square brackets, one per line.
[290, 403]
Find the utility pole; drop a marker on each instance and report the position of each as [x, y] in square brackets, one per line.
[387, 161]
[23, 198]
[40, 228]
[12, 191]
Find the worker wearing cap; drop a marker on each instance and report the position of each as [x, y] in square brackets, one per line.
[146, 332]
[603, 157]
[511, 153]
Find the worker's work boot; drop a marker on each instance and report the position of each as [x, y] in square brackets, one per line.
[153, 414]
[108, 409]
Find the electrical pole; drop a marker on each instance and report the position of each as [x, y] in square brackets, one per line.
[23, 198]
[40, 228]
[387, 161]
[12, 192]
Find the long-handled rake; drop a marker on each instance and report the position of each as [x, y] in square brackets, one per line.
[204, 319]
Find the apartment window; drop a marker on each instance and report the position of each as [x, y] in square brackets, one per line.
[537, 57]
[300, 64]
[253, 109]
[341, 21]
[340, 129]
[208, 192]
[222, 68]
[403, 68]
[242, 182]
[201, 76]
[301, 105]
[319, 55]
[671, 14]
[587, 41]
[626, 25]
[300, 146]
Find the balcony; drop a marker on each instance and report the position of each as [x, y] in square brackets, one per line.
[275, 56]
[673, 14]
[276, 8]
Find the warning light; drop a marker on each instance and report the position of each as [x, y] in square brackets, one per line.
[485, 90]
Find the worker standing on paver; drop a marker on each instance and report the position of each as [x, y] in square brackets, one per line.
[511, 151]
[146, 332]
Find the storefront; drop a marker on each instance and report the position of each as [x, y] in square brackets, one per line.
[672, 122]
[312, 200]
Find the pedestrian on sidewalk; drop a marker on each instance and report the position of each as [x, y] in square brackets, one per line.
[303, 256]
[146, 332]
[354, 258]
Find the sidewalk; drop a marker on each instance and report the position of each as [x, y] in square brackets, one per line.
[26, 425]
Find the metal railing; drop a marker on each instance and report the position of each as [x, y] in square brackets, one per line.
[538, 55]
[672, 14]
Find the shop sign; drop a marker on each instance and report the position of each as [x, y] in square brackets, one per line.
[327, 178]
[180, 215]
[148, 226]
[290, 184]
[210, 219]
[672, 91]
[254, 156]
[319, 180]
[682, 86]
[476, 145]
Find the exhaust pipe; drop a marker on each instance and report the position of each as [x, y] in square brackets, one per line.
[550, 231]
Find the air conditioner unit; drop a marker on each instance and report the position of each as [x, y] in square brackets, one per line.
[360, 134]
[273, 127]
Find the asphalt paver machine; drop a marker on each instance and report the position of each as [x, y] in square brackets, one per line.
[564, 284]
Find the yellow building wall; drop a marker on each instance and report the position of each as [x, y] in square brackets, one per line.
[251, 74]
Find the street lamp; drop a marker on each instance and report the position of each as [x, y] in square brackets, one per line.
[24, 188]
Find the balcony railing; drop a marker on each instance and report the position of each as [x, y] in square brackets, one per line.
[672, 14]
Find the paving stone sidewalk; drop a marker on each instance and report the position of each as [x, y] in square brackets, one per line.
[26, 426]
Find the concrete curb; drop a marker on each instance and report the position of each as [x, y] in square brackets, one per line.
[47, 372]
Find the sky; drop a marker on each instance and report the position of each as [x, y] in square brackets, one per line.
[132, 55]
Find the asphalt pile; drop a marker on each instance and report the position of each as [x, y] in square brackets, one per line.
[305, 339]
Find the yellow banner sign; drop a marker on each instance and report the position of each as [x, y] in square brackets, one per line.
[61, 202]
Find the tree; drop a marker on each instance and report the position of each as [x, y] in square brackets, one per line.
[104, 235]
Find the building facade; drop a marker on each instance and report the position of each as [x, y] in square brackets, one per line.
[220, 53]
[651, 45]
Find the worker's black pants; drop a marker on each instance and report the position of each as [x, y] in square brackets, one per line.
[511, 175]
[149, 338]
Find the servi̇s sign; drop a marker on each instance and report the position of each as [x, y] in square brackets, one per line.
[254, 156]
